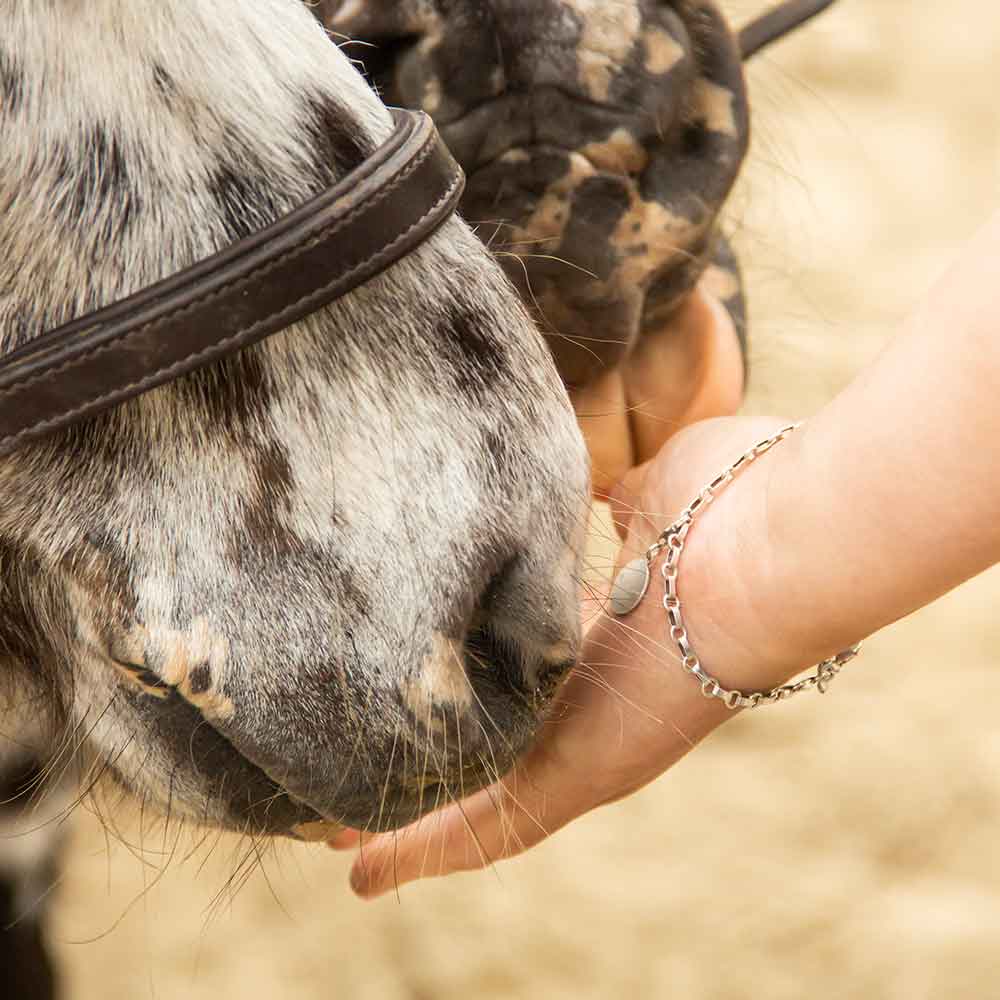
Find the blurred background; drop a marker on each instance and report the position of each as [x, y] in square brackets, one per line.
[832, 847]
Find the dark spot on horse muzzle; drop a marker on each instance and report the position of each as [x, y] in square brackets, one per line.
[244, 198]
[11, 82]
[200, 678]
[336, 147]
[104, 181]
[479, 360]
[164, 83]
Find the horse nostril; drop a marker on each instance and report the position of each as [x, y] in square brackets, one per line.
[500, 662]
[548, 677]
[521, 637]
[490, 659]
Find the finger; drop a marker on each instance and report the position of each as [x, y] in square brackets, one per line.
[496, 823]
[689, 369]
[601, 410]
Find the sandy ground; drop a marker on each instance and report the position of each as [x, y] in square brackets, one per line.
[842, 847]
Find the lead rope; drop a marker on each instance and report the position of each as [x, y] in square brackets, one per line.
[777, 23]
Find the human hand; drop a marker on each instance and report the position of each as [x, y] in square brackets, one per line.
[849, 525]
[628, 712]
[690, 370]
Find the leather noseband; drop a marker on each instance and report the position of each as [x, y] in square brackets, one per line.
[336, 241]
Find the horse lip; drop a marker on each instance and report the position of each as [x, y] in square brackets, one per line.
[257, 811]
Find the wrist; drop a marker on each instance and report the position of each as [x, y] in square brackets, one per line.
[724, 577]
[742, 580]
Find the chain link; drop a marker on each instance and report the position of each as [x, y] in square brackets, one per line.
[672, 541]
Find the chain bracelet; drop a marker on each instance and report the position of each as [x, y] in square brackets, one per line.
[672, 542]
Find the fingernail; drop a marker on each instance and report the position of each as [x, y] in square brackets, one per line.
[346, 840]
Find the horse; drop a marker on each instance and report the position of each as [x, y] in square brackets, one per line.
[332, 579]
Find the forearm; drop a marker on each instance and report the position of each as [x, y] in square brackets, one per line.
[887, 498]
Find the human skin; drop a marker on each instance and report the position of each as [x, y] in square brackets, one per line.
[885, 499]
[689, 370]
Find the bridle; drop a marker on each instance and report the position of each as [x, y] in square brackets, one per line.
[338, 240]
[341, 238]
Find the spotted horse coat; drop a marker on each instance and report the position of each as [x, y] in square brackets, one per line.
[601, 140]
[259, 598]
[292, 588]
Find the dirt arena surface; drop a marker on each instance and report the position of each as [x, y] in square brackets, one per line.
[835, 847]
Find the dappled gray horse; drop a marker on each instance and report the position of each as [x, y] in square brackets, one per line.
[333, 578]
[287, 588]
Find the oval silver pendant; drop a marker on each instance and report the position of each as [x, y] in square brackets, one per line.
[630, 586]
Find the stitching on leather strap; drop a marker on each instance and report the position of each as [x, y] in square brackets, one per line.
[385, 251]
[379, 194]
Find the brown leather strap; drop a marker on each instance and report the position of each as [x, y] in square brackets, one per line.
[250, 290]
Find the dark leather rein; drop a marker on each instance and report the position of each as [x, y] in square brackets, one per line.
[336, 241]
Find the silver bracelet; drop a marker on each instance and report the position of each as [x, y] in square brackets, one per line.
[632, 582]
